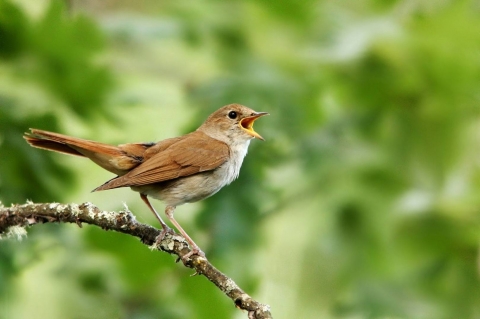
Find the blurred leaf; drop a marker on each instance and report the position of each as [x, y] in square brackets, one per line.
[13, 30]
[66, 48]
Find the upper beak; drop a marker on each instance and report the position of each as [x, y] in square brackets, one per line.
[247, 124]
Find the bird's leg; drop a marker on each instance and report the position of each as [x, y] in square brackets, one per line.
[165, 228]
[195, 249]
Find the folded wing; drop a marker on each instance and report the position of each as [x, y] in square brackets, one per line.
[193, 153]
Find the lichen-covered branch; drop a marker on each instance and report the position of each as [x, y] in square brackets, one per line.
[14, 220]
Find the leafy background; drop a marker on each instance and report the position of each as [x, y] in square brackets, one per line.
[364, 202]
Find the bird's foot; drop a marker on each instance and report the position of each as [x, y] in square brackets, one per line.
[162, 234]
[195, 251]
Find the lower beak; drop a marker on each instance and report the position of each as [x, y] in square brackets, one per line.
[247, 124]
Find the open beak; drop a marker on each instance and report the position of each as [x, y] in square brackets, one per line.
[247, 124]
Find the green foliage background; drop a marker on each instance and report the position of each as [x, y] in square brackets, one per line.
[364, 202]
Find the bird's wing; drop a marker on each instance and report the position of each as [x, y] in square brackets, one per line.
[194, 153]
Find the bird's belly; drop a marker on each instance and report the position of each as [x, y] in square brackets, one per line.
[184, 189]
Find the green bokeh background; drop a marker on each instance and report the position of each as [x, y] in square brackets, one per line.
[364, 201]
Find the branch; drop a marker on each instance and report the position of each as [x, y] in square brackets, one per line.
[14, 219]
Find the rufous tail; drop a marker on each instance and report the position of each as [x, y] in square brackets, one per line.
[110, 157]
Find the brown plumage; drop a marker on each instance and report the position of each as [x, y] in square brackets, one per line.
[179, 159]
[176, 170]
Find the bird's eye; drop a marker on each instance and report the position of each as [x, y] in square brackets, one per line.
[232, 115]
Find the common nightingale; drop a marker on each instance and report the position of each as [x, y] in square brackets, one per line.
[177, 170]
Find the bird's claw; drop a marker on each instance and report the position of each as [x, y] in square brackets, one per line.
[195, 251]
[162, 234]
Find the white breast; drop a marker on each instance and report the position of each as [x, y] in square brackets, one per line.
[231, 168]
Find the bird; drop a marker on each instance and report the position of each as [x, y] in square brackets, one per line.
[176, 170]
